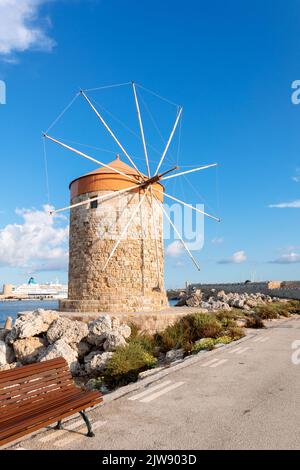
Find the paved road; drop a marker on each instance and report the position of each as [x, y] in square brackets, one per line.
[246, 396]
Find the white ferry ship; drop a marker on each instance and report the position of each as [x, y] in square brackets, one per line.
[50, 290]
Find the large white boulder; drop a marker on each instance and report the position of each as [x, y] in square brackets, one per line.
[96, 362]
[61, 349]
[31, 324]
[174, 355]
[28, 350]
[113, 341]
[124, 330]
[71, 331]
[7, 354]
[99, 329]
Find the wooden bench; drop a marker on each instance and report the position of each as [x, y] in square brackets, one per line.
[37, 395]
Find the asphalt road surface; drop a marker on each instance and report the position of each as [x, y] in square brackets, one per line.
[246, 396]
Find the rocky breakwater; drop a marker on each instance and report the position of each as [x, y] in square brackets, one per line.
[216, 300]
[44, 334]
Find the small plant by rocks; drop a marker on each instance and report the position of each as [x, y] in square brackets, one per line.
[223, 340]
[293, 307]
[271, 311]
[235, 332]
[228, 317]
[186, 331]
[145, 340]
[126, 364]
[203, 344]
[254, 321]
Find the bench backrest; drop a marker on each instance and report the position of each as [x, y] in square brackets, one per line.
[33, 383]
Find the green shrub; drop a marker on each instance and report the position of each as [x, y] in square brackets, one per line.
[186, 331]
[173, 337]
[142, 338]
[147, 342]
[254, 321]
[269, 311]
[228, 317]
[282, 308]
[293, 306]
[203, 344]
[204, 325]
[126, 364]
[223, 339]
[235, 332]
[97, 383]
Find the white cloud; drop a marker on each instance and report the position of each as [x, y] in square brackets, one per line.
[217, 240]
[39, 243]
[175, 249]
[288, 258]
[22, 27]
[285, 205]
[236, 258]
[296, 178]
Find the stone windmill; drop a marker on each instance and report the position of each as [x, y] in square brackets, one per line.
[116, 259]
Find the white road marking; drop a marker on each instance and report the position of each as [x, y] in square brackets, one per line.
[19, 448]
[150, 390]
[257, 340]
[235, 350]
[220, 362]
[58, 433]
[74, 436]
[265, 339]
[209, 362]
[161, 392]
[243, 350]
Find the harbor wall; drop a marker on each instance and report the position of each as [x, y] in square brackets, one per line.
[282, 289]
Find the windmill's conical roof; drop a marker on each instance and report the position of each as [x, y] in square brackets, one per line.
[106, 179]
[117, 164]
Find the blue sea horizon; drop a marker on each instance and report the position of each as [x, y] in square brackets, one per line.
[13, 307]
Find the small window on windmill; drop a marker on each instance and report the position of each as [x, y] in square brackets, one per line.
[94, 204]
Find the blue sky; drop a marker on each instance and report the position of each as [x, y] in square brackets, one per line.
[230, 64]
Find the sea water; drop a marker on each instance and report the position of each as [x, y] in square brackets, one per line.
[12, 307]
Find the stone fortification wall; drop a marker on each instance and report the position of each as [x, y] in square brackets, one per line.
[282, 289]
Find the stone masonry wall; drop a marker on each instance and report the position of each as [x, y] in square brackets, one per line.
[286, 289]
[130, 281]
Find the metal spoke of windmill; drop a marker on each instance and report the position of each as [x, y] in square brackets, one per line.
[169, 140]
[178, 234]
[98, 198]
[111, 132]
[78, 152]
[190, 171]
[141, 127]
[188, 205]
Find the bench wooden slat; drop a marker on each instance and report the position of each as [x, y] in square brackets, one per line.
[21, 401]
[37, 395]
[15, 379]
[13, 391]
[40, 406]
[37, 380]
[40, 415]
[32, 368]
[23, 432]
